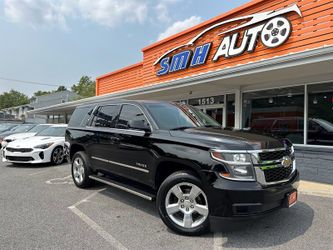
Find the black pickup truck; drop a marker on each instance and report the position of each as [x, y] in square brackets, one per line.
[176, 154]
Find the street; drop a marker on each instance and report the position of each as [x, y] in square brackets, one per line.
[42, 209]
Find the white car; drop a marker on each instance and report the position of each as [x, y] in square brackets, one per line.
[30, 133]
[46, 146]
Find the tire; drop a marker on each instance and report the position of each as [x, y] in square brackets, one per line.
[185, 215]
[57, 156]
[81, 170]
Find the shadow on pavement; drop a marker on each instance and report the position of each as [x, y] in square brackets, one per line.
[272, 230]
[131, 200]
[33, 166]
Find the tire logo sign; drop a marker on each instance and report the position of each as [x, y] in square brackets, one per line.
[273, 30]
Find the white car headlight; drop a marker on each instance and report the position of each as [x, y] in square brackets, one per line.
[239, 165]
[44, 146]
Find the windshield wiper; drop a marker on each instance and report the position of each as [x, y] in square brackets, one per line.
[212, 126]
[181, 128]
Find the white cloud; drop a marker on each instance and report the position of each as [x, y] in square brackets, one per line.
[113, 12]
[33, 12]
[55, 12]
[180, 26]
[162, 10]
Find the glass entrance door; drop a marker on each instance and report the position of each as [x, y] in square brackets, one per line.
[216, 113]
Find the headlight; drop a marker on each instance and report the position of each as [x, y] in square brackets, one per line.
[239, 165]
[44, 146]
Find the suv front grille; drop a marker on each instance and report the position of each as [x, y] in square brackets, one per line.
[278, 174]
[273, 155]
[21, 150]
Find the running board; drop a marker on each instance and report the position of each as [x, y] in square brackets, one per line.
[124, 187]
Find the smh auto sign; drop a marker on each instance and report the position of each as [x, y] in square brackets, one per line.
[271, 28]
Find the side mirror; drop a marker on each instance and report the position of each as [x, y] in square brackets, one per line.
[139, 125]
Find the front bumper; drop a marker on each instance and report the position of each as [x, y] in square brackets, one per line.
[245, 199]
[34, 157]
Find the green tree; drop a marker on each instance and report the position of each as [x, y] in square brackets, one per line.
[40, 93]
[13, 98]
[61, 88]
[85, 87]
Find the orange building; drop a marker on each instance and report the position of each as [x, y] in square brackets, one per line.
[266, 65]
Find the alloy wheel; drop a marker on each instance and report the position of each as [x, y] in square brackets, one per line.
[58, 156]
[186, 205]
[78, 170]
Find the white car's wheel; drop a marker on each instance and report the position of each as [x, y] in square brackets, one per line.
[57, 156]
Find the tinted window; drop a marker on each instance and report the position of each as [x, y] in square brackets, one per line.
[80, 117]
[106, 116]
[129, 113]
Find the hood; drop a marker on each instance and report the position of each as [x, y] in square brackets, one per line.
[34, 141]
[7, 133]
[230, 140]
[19, 136]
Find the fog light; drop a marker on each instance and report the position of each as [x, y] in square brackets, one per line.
[240, 170]
[41, 155]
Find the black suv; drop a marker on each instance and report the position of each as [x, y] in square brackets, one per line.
[197, 171]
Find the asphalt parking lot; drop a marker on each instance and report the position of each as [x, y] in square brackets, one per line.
[41, 208]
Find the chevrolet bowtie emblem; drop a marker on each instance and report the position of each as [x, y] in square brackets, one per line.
[286, 161]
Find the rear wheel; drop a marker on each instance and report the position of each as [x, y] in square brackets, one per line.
[81, 170]
[183, 205]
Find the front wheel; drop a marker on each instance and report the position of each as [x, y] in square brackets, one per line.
[57, 156]
[183, 205]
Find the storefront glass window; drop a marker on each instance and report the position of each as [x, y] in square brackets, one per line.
[276, 111]
[230, 111]
[320, 124]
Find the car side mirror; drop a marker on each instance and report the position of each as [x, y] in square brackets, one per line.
[139, 125]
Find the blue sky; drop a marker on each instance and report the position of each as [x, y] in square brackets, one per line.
[58, 41]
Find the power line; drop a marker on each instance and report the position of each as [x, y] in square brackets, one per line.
[29, 82]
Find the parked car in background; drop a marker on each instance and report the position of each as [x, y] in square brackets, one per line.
[7, 126]
[21, 128]
[32, 132]
[174, 153]
[46, 146]
[320, 131]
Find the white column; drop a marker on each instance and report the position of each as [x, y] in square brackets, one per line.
[224, 120]
[238, 109]
[306, 114]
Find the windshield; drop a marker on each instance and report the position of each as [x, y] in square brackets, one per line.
[39, 128]
[23, 128]
[53, 131]
[170, 116]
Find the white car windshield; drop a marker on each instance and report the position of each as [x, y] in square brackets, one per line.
[53, 131]
[39, 128]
